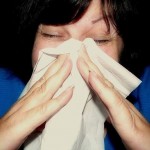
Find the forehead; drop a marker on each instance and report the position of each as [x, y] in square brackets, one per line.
[91, 16]
[91, 20]
[94, 11]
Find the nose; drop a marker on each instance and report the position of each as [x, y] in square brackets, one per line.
[78, 31]
[77, 34]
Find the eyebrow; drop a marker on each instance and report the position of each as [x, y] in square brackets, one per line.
[99, 19]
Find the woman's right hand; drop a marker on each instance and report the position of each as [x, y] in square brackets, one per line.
[36, 106]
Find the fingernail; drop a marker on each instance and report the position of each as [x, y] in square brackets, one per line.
[70, 87]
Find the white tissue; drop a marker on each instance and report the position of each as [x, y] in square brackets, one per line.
[80, 124]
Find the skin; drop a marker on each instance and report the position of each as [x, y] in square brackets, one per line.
[38, 104]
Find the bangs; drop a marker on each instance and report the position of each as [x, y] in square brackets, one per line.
[62, 12]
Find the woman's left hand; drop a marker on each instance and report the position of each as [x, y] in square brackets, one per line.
[132, 127]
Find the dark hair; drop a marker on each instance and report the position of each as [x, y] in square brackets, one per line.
[30, 13]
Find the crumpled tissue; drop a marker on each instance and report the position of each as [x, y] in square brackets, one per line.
[80, 124]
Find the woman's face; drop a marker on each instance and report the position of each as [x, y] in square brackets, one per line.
[90, 25]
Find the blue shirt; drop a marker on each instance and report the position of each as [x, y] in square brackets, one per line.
[142, 95]
[10, 89]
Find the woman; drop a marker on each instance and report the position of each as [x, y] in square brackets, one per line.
[55, 21]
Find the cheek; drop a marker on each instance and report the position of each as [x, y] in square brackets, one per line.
[114, 53]
[34, 56]
[40, 43]
[35, 52]
[114, 49]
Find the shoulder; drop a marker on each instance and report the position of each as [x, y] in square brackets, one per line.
[146, 76]
[10, 89]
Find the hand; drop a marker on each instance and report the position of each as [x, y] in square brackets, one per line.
[133, 129]
[37, 106]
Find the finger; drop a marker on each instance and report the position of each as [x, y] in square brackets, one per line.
[36, 116]
[116, 105]
[127, 121]
[24, 123]
[39, 94]
[91, 78]
[92, 67]
[102, 87]
[50, 71]
[49, 87]
[53, 83]
[83, 68]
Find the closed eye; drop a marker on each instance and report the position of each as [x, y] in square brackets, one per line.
[51, 35]
[100, 42]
